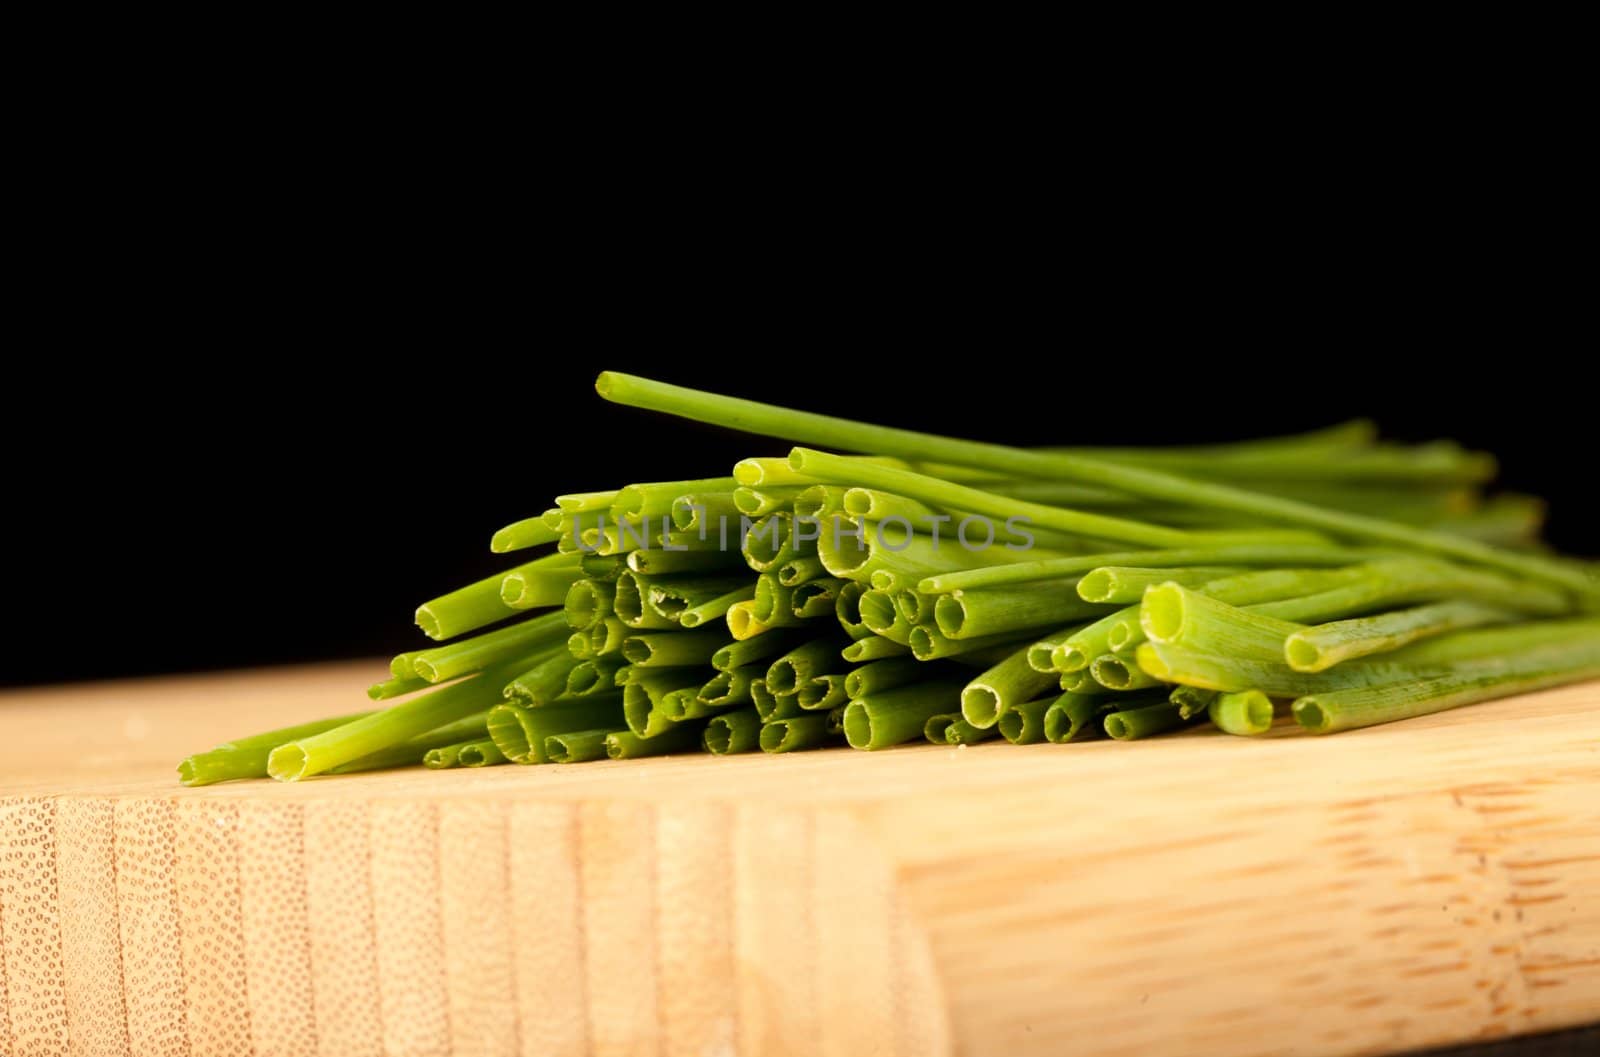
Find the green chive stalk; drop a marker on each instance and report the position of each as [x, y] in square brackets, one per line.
[1076, 566]
[1246, 713]
[1191, 700]
[1121, 585]
[807, 428]
[873, 648]
[644, 501]
[1120, 671]
[544, 682]
[577, 746]
[795, 733]
[480, 604]
[412, 751]
[933, 730]
[533, 588]
[823, 693]
[641, 698]
[444, 757]
[892, 717]
[799, 666]
[1072, 717]
[674, 649]
[999, 689]
[717, 608]
[443, 663]
[758, 503]
[397, 687]
[703, 513]
[1319, 648]
[748, 651]
[519, 732]
[931, 644]
[882, 675]
[627, 745]
[247, 757]
[529, 532]
[963, 733]
[731, 732]
[1024, 724]
[1142, 722]
[973, 614]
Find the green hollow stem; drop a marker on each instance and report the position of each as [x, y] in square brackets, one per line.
[1041, 653]
[585, 502]
[872, 504]
[1247, 713]
[931, 644]
[773, 604]
[999, 689]
[917, 606]
[820, 501]
[887, 556]
[674, 649]
[400, 722]
[1076, 566]
[443, 663]
[1388, 583]
[882, 675]
[836, 720]
[604, 639]
[764, 703]
[588, 602]
[397, 687]
[941, 493]
[577, 746]
[933, 730]
[247, 757]
[883, 618]
[480, 604]
[743, 623]
[1191, 700]
[1121, 585]
[1319, 648]
[673, 596]
[795, 733]
[1441, 462]
[639, 501]
[703, 513]
[519, 732]
[873, 648]
[654, 561]
[621, 538]
[543, 682]
[480, 753]
[413, 751]
[715, 609]
[525, 588]
[731, 687]
[1024, 724]
[444, 757]
[756, 503]
[799, 666]
[733, 732]
[991, 611]
[1072, 717]
[641, 698]
[1120, 671]
[632, 604]
[892, 717]
[772, 542]
[602, 567]
[1122, 631]
[823, 693]
[1479, 651]
[1145, 721]
[594, 676]
[626, 745]
[807, 428]
[520, 535]
[748, 651]
[816, 598]
[800, 570]
[1082, 682]
[847, 609]
[963, 733]
[1336, 710]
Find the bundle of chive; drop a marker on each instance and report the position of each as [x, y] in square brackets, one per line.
[811, 600]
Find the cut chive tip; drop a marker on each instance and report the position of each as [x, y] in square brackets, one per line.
[1161, 612]
[428, 622]
[287, 763]
[506, 731]
[1068, 658]
[1111, 672]
[857, 725]
[949, 614]
[1246, 713]
[1303, 656]
[980, 706]
[1311, 715]
[934, 730]
[1117, 727]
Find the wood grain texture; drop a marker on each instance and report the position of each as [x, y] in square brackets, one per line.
[1406, 886]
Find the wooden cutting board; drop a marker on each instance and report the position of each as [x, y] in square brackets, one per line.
[1410, 885]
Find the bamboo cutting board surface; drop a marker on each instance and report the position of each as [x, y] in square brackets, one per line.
[1409, 885]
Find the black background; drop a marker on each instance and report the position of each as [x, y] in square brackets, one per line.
[258, 467]
[261, 430]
